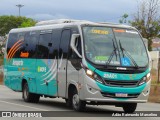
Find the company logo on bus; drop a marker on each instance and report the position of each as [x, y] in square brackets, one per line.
[17, 62]
[111, 76]
[14, 49]
[41, 69]
[24, 54]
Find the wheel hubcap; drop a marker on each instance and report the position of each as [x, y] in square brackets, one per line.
[25, 92]
[76, 100]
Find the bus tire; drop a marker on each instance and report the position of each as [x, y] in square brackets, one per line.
[77, 104]
[68, 103]
[29, 97]
[129, 107]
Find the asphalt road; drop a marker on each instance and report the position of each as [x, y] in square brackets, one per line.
[12, 101]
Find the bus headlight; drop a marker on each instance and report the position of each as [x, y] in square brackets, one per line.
[148, 77]
[145, 79]
[89, 72]
[94, 76]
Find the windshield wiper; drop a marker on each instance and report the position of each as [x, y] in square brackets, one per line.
[131, 58]
[112, 54]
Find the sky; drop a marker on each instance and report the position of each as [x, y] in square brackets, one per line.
[93, 10]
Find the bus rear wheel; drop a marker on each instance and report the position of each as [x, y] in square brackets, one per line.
[77, 104]
[29, 97]
[129, 107]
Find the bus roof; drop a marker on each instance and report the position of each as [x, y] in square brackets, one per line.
[60, 23]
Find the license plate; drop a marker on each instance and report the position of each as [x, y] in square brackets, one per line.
[121, 95]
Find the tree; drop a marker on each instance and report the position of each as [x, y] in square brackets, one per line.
[27, 23]
[123, 19]
[147, 20]
[9, 22]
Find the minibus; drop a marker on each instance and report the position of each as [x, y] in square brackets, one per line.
[83, 62]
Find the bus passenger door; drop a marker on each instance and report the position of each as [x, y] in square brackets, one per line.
[62, 62]
[52, 62]
[43, 65]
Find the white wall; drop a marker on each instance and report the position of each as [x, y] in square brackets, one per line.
[155, 59]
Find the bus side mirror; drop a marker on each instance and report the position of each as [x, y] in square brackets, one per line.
[73, 44]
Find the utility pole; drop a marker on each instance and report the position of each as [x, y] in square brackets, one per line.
[19, 7]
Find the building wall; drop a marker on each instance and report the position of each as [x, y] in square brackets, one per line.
[155, 59]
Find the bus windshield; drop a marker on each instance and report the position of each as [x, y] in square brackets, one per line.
[114, 47]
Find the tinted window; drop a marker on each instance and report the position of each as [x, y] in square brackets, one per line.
[65, 40]
[29, 46]
[15, 44]
[43, 45]
[11, 40]
[53, 51]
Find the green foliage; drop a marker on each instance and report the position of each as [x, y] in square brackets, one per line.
[1, 53]
[9, 22]
[27, 23]
[149, 31]
[123, 19]
[146, 20]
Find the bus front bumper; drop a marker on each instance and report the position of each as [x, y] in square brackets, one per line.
[93, 93]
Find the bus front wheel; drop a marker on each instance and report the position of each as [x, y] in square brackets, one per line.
[77, 104]
[29, 97]
[129, 107]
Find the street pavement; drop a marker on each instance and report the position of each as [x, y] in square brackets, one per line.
[12, 101]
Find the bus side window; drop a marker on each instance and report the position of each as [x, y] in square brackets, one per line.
[43, 46]
[20, 38]
[53, 51]
[15, 44]
[64, 45]
[12, 39]
[29, 46]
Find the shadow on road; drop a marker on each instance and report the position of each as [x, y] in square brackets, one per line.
[59, 109]
[90, 111]
[62, 106]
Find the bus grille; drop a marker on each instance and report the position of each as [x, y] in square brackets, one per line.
[122, 83]
[112, 95]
